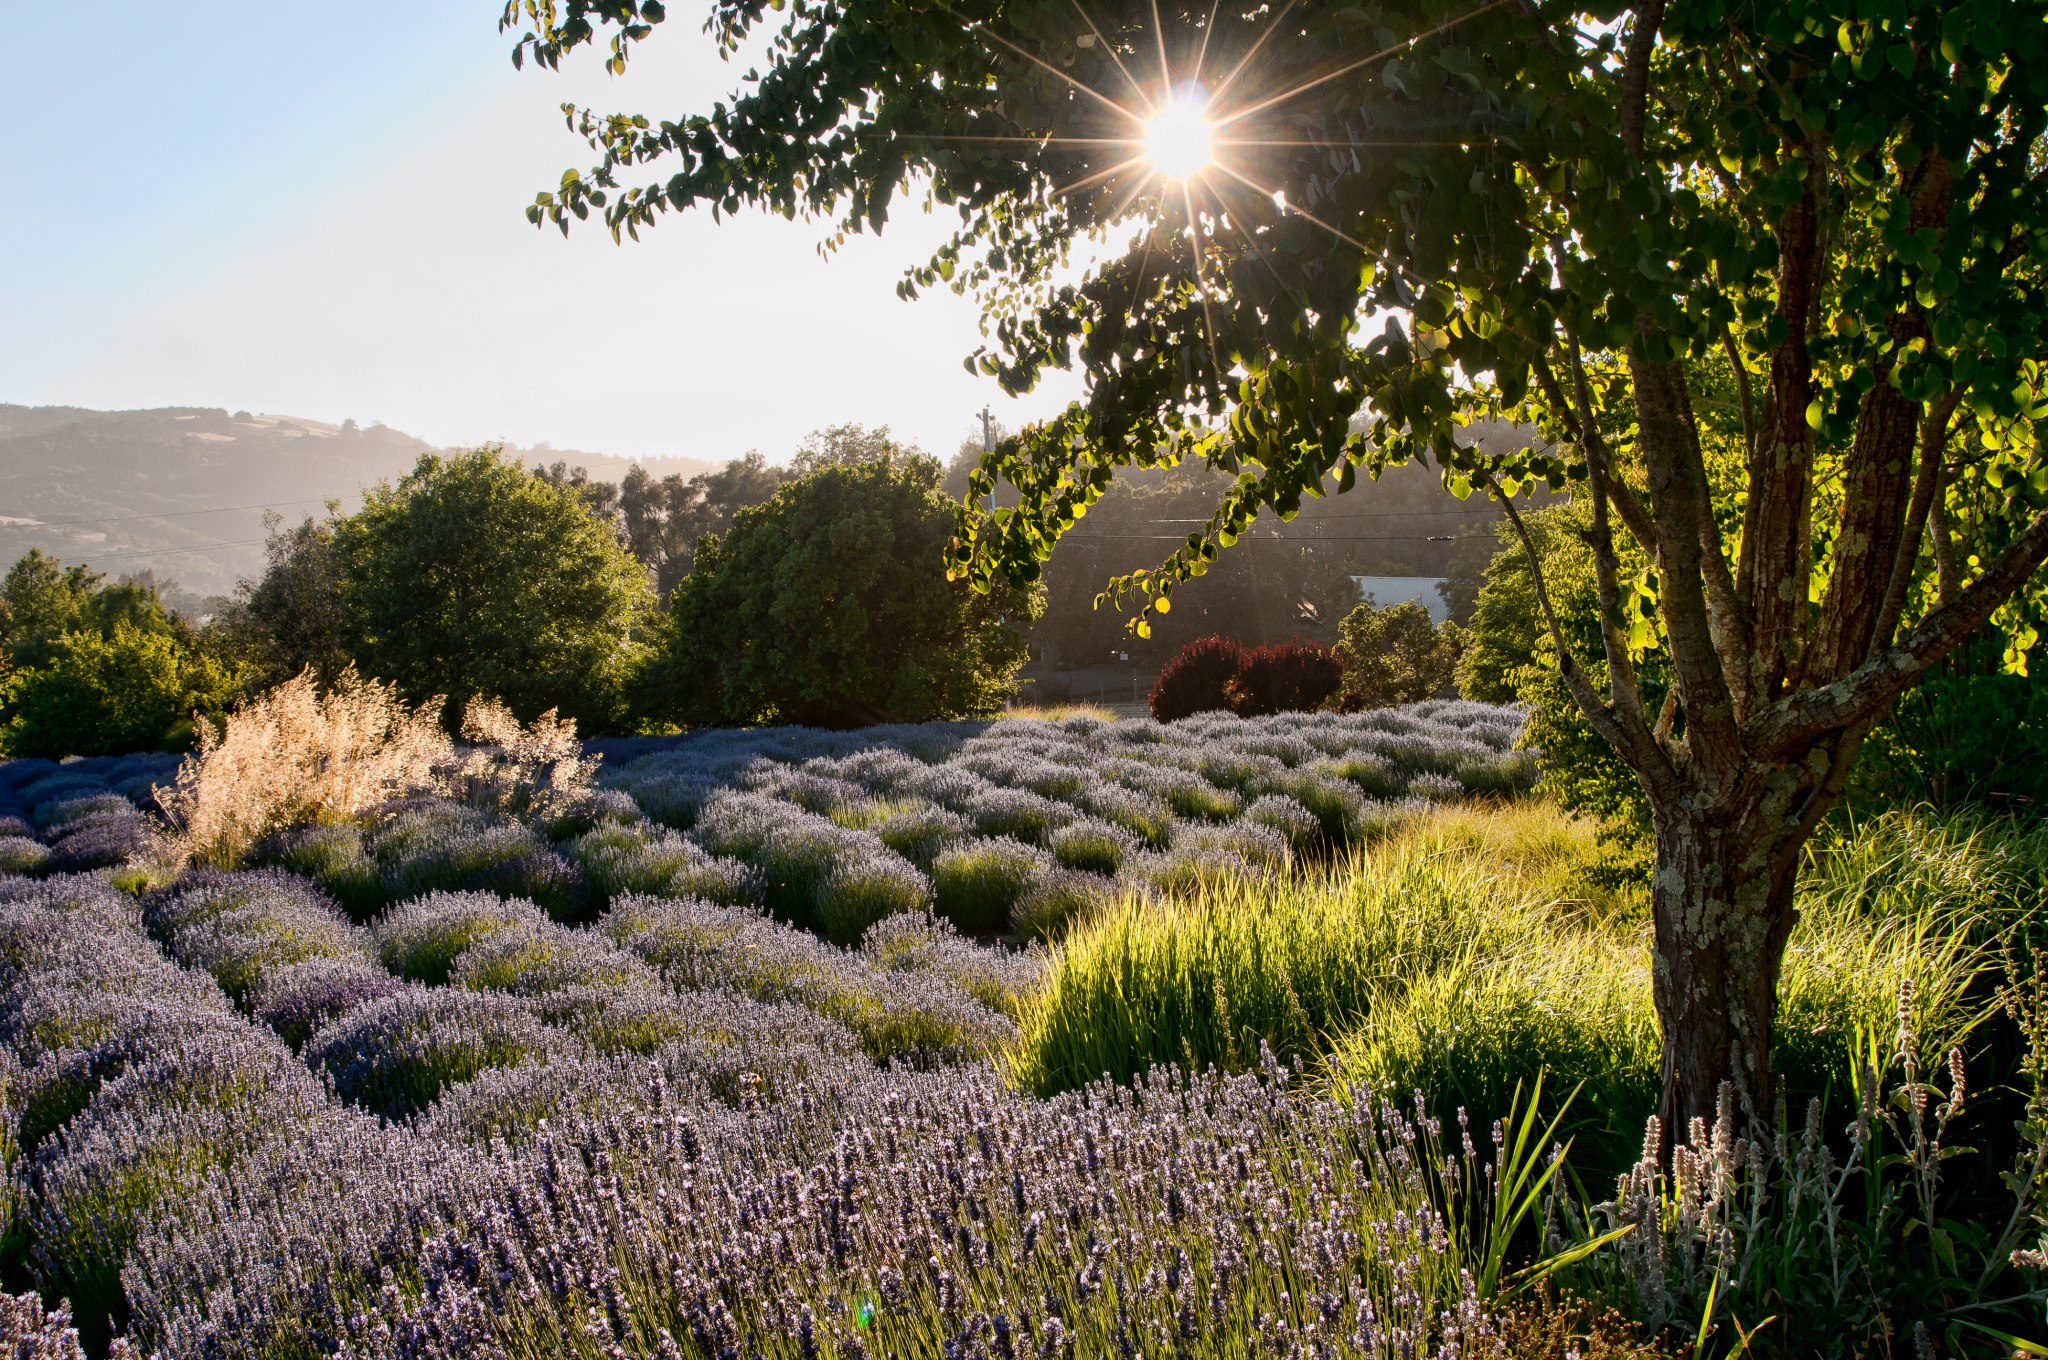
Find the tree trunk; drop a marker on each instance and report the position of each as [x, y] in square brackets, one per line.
[1722, 900]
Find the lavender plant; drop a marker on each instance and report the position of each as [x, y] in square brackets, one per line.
[532, 959]
[295, 1001]
[976, 885]
[421, 939]
[394, 1055]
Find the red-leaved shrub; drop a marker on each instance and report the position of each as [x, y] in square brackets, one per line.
[1283, 677]
[1198, 678]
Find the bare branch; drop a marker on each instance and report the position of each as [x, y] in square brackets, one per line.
[1741, 391]
[1926, 488]
[1630, 738]
[1794, 723]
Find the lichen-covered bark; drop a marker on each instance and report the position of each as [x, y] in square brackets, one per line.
[1723, 904]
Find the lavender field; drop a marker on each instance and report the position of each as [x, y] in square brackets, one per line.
[710, 1055]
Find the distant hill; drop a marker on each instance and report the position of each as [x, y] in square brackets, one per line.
[181, 491]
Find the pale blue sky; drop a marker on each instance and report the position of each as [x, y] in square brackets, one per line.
[317, 210]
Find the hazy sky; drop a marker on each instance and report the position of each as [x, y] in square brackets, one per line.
[317, 210]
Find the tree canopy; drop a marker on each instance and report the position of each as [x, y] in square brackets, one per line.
[1765, 278]
[828, 605]
[473, 576]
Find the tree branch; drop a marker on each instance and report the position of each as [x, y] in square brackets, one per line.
[1926, 488]
[1635, 73]
[1642, 526]
[1948, 580]
[1708, 652]
[1794, 723]
[1633, 742]
[1741, 391]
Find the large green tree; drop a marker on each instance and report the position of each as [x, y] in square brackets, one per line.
[1427, 211]
[829, 605]
[473, 576]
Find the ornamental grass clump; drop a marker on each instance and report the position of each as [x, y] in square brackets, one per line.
[394, 1055]
[976, 885]
[1230, 961]
[295, 756]
[421, 939]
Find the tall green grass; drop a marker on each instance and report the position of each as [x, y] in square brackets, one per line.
[1475, 950]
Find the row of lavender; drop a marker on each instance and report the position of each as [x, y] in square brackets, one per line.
[81, 814]
[1004, 828]
[249, 1126]
[147, 1045]
[1013, 827]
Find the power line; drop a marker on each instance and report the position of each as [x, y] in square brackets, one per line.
[159, 552]
[1318, 519]
[1283, 542]
[169, 514]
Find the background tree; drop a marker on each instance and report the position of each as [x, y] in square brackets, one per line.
[829, 605]
[1394, 655]
[41, 600]
[473, 576]
[129, 689]
[1564, 213]
[293, 618]
[663, 519]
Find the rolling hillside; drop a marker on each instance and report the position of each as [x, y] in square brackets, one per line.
[182, 491]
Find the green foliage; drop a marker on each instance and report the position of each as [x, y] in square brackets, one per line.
[1394, 655]
[472, 576]
[129, 690]
[40, 601]
[829, 606]
[1509, 655]
[1960, 737]
[1472, 952]
[294, 618]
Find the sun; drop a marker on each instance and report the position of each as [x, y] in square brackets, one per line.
[1178, 141]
